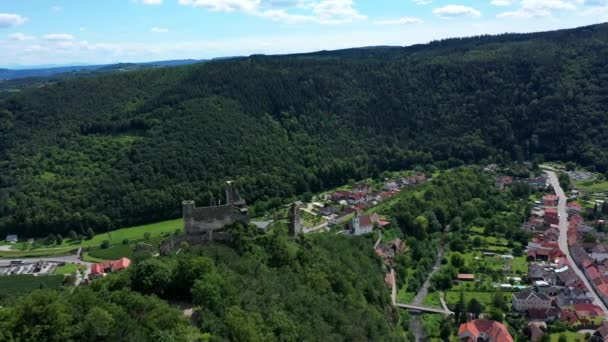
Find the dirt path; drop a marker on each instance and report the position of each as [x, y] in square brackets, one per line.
[415, 321]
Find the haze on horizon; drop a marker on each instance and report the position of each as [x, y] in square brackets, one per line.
[61, 32]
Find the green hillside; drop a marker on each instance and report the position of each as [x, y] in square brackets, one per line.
[125, 149]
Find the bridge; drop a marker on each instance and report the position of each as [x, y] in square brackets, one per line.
[444, 310]
[423, 309]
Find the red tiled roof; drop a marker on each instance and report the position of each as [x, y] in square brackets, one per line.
[112, 265]
[495, 330]
[465, 276]
[593, 272]
[588, 309]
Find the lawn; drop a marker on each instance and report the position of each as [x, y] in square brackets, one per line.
[592, 185]
[453, 297]
[570, 335]
[68, 268]
[39, 252]
[22, 284]
[432, 300]
[116, 237]
[112, 253]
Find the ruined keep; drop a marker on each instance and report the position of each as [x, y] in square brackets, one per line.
[204, 224]
[204, 221]
[295, 225]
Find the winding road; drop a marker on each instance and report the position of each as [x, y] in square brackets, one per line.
[563, 236]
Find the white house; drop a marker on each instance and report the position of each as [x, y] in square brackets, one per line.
[12, 238]
[364, 224]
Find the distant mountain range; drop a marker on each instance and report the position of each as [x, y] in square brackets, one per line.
[12, 74]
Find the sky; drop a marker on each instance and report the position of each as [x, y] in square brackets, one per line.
[61, 32]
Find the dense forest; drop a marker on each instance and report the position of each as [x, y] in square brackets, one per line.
[256, 288]
[266, 286]
[126, 148]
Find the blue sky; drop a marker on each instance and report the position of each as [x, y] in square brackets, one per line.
[44, 32]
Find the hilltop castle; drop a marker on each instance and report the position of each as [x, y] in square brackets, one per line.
[203, 224]
[206, 220]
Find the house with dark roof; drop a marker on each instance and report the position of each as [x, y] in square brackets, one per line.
[481, 330]
[528, 299]
[535, 332]
[601, 334]
[599, 253]
[12, 238]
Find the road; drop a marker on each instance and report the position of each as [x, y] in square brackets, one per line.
[66, 258]
[563, 236]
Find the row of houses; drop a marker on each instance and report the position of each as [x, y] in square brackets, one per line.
[557, 292]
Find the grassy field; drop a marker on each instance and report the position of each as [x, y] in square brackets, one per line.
[112, 253]
[432, 299]
[592, 186]
[453, 297]
[570, 335]
[39, 252]
[115, 237]
[68, 268]
[405, 297]
[22, 284]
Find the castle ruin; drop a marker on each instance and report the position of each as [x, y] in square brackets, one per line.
[204, 221]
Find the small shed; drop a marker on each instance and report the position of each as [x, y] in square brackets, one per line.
[465, 277]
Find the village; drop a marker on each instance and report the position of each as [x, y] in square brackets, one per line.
[549, 286]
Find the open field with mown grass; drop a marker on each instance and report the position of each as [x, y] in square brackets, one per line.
[570, 335]
[68, 268]
[115, 237]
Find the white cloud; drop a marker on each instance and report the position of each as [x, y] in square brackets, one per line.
[10, 19]
[501, 3]
[20, 36]
[152, 2]
[223, 5]
[311, 11]
[422, 2]
[159, 30]
[456, 11]
[399, 21]
[58, 37]
[538, 8]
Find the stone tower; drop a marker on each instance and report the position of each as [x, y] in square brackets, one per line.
[295, 225]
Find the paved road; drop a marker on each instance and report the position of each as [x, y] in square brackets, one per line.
[563, 236]
[66, 258]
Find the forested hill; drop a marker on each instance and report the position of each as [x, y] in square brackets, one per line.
[126, 148]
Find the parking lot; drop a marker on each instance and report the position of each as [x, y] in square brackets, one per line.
[35, 268]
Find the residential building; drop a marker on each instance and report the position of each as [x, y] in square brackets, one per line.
[481, 330]
[551, 216]
[526, 300]
[364, 224]
[550, 200]
[599, 253]
[12, 238]
[100, 269]
[601, 334]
